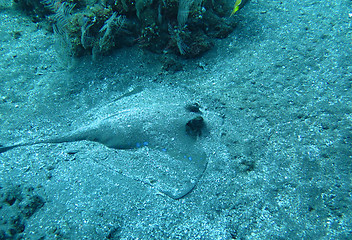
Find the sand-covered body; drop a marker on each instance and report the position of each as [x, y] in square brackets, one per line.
[156, 133]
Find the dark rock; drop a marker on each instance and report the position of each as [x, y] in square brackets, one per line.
[18, 224]
[33, 204]
[12, 195]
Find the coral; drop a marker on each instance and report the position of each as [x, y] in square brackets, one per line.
[181, 27]
[111, 27]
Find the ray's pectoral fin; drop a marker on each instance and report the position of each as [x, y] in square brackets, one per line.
[179, 166]
[172, 171]
[187, 168]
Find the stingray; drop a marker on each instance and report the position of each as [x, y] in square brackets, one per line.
[159, 141]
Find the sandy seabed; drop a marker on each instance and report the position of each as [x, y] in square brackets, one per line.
[280, 167]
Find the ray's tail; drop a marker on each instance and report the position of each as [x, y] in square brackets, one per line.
[5, 149]
[67, 138]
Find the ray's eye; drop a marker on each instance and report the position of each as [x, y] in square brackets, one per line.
[195, 126]
[194, 107]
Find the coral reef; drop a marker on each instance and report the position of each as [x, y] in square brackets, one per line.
[181, 27]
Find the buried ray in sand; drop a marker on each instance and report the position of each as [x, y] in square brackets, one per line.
[158, 140]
